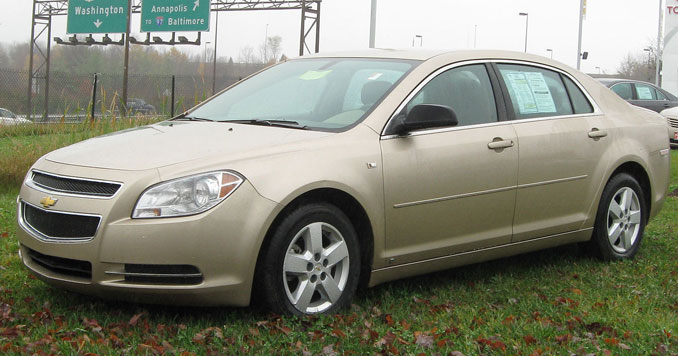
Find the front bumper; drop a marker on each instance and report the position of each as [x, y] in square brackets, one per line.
[205, 259]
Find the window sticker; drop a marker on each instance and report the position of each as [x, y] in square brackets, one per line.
[375, 76]
[315, 74]
[531, 92]
[644, 93]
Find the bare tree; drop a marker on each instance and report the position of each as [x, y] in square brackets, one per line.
[247, 55]
[271, 49]
[640, 65]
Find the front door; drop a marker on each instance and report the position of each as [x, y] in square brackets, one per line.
[451, 190]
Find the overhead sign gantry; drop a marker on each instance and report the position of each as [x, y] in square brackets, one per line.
[106, 17]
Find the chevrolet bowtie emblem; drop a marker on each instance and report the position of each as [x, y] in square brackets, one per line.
[48, 202]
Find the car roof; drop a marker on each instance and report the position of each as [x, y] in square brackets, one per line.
[612, 81]
[422, 55]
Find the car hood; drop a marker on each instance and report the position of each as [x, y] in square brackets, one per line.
[169, 143]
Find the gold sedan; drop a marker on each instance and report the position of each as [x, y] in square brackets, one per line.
[322, 175]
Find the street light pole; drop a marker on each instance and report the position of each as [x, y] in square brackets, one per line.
[421, 40]
[204, 55]
[527, 22]
[373, 24]
[550, 50]
[266, 46]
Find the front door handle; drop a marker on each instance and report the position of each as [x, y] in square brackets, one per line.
[498, 143]
[595, 133]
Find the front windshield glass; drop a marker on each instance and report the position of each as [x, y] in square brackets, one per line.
[325, 94]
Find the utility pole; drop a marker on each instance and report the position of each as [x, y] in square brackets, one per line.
[125, 75]
[214, 65]
[373, 24]
[582, 3]
[659, 45]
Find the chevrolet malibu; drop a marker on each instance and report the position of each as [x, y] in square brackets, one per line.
[325, 174]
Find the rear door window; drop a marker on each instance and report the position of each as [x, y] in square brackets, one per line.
[535, 92]
[645, 92]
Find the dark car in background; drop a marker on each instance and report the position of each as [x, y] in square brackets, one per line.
[139, 106]
[642, 94]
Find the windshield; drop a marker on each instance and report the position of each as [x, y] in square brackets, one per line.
[325, 94]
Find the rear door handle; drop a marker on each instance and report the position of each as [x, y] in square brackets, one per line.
[595, 133]
[499, 144]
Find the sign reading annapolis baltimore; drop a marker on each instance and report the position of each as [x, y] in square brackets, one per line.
[175, 15]
[97, 16]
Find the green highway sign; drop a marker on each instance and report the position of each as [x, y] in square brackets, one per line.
[175, 15]
[97, 16]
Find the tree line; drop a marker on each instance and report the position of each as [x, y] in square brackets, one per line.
[149, 60]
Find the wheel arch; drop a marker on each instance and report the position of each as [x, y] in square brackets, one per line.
[350, 206]
[637, 171]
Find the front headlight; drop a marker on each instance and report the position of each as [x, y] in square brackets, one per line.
[186, 196]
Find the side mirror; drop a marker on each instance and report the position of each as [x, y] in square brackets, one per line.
[425, 116]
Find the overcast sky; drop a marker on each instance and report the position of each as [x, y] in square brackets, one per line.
[612, 28]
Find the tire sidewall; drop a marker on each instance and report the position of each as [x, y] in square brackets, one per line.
[603, 245]
[271, 276]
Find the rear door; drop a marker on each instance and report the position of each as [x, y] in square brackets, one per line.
[561, 139]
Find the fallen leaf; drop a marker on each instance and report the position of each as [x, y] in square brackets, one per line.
[329, 351]
[135, 319]
[198, 338]
[611, 341]
[338, 333]
[424, 340]
[529, 339]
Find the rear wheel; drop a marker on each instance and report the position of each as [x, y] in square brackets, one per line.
[312, 264]
[621, 219]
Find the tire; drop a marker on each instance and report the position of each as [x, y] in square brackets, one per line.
[311, 264]
[620, 220]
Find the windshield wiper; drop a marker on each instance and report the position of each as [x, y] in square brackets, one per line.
[184, 117]
[278, 123]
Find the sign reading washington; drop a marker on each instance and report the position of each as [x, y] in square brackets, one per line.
[175, 15]
[97, 16]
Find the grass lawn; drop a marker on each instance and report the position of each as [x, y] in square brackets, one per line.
[553, 302]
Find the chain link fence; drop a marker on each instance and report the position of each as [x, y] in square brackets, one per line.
[77, 97]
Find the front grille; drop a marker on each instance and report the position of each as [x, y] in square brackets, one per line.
[60, 226]
[74, 186]
[162, 274]
[65, 266]
[673, 122]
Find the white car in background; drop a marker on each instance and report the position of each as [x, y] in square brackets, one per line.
[9, 118]
[671, 116]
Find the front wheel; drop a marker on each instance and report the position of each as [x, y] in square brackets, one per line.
[312, 263]
[621, 219]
